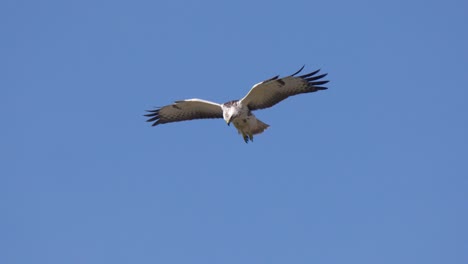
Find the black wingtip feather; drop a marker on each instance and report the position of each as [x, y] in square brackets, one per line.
[319, 83]
[272, 79]
[298, 70]
[312, 80]
[320, 88]
[153, 119]
[309, 74]
[152, 113]
[154, 116]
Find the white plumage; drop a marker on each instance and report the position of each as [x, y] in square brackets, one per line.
[239, 112]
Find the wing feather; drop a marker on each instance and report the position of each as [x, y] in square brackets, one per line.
[184, 110]
[272, 91]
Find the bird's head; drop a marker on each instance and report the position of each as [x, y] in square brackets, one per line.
[229, 116]
[228, 119]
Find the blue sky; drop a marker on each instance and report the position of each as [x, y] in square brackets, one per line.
[373, 170]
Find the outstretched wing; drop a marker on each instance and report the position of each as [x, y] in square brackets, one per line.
[185, 110]
[272, 91]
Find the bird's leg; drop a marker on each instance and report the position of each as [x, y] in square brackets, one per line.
[246, 138]
[251, 137]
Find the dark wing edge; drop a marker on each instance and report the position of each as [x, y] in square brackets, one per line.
[294, 74]
[157, 115]
[314, 83]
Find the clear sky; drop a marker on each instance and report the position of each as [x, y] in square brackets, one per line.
[373, 170]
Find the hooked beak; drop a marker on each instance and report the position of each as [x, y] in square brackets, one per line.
[229, 121]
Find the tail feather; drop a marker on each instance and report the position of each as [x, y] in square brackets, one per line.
[259, 127]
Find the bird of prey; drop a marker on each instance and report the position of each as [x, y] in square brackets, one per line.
[239, 112]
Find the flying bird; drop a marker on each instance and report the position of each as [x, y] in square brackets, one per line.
[239, 112]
